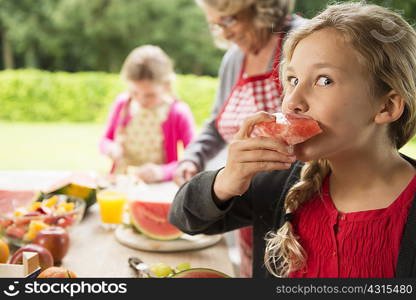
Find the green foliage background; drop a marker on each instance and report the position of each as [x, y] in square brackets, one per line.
[79, 35]
[43, 96]
[96, 35]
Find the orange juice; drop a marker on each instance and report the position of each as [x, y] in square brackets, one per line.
[111, 203]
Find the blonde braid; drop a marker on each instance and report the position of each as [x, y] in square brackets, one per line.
[284, 253]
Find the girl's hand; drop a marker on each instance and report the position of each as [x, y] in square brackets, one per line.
[184, 172]
[250, 155]
[149, 172]
[116, 151]
[117, 148]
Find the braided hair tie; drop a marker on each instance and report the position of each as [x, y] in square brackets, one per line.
[288, 217]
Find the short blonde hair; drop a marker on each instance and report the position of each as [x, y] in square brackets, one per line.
[386, 45]
[148, 63]
[261, 18]
[267, 13]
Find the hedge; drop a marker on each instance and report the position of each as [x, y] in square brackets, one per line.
[41, 96]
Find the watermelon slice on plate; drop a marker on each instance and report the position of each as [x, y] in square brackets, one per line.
[149, 209]
[290, 128]
[151, 219]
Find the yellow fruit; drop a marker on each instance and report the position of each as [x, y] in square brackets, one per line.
[34, 227]
[160, 270]
[51, 201]
[77, 191]
[37, 225]
[60, 210]
[29, 236]
[66, 207]
[4, 252]
[34, 206]
[183, 266]
[20, 212]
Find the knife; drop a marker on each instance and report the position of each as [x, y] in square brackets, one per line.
[142, 270]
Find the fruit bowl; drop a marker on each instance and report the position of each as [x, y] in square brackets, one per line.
[21, 225]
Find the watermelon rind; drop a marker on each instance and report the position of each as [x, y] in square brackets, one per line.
[88, 194]
[186, 273]
[172, 234]
[152, 235]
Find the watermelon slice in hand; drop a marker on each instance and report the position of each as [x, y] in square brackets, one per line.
[290, 128]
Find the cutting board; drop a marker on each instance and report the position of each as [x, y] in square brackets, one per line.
[127, 236]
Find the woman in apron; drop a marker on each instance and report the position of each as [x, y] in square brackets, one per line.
[248, 81]
[147, 124]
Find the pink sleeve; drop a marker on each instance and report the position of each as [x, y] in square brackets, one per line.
[112, 124]
[168, 170]
[186, 124]
[185, 132]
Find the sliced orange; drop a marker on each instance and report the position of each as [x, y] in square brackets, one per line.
[4, 252]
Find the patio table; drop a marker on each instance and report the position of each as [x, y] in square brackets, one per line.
[95, 252]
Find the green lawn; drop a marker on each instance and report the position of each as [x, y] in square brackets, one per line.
[58, 146]
[54, 146]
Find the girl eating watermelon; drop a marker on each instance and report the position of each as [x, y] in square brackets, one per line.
[341, 203]
[147, 122]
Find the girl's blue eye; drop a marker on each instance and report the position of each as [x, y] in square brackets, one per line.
[324, 81]
[293, 81]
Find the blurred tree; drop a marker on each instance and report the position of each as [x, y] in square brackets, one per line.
[79, 35]
[76, 35]
[26, 30]
[407, 8]
[308, 9]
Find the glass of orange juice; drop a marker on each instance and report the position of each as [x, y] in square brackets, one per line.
[111, 203]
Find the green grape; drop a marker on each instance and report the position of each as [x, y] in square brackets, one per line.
[183, 266]
[160, 270]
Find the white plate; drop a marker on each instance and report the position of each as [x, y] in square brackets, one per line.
[130, 238]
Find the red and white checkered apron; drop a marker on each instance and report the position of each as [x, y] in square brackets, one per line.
[249, 95]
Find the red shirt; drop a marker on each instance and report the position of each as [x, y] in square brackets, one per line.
[358, 244]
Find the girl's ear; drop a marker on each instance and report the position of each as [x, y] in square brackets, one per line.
[391, 109]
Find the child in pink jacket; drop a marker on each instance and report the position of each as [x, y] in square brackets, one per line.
[146, 123]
